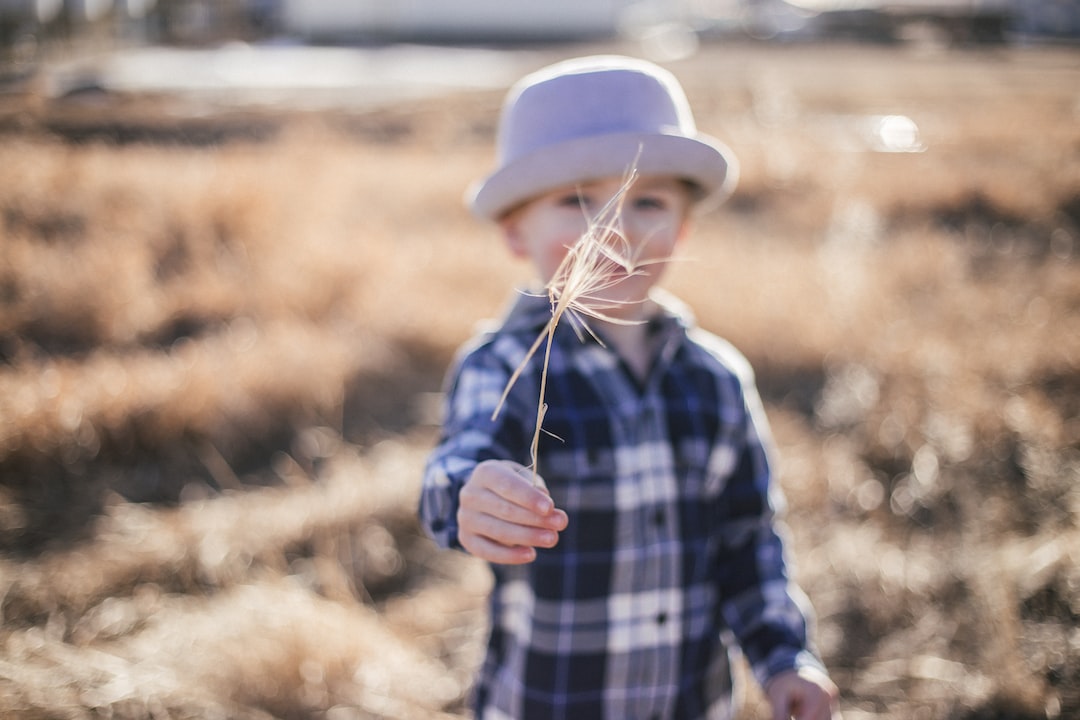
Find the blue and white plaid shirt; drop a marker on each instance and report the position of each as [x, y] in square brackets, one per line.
[670, 560]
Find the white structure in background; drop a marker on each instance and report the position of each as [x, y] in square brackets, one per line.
[472, 18]
[46, 11]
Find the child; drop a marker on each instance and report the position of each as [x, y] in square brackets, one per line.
[645, 552]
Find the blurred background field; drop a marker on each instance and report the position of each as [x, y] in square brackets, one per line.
[224, 324]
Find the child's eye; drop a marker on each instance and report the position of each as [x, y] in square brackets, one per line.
[650, 202]
[573, 200]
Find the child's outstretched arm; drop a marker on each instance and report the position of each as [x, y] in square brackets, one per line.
[475, 495]
[502, 517]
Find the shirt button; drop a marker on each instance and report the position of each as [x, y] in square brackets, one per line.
[658, 518]
[661, 618]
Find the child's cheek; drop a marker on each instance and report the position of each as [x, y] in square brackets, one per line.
[557, 252]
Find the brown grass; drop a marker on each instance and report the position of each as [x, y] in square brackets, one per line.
[218, 365]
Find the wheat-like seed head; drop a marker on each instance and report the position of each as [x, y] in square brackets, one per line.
[575, 291]
[584, 273]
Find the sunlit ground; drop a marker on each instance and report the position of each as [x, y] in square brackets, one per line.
[223, 332]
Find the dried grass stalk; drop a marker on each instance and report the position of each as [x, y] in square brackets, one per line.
[575, 292]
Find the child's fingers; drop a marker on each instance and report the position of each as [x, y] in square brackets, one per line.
[502, 516]
[511, 483]
[490, 504]
[531, 476]
[503, 532]
[499, 541]
[501, 554]
[482, 512]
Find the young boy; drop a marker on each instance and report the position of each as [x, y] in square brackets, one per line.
[645, 552]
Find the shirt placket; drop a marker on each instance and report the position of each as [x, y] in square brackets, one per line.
[651, 577]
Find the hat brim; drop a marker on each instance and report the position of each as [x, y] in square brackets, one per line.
[704, 161]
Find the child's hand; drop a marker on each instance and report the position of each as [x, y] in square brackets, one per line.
[503, 517]
[804, 694]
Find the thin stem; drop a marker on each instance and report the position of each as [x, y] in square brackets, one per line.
[575, 288]
[541, 406]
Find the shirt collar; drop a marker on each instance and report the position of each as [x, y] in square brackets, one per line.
[531, 310]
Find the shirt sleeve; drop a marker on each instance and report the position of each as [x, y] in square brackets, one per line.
[768, 614]
[471, 435]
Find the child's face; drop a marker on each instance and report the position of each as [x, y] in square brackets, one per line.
[652, 219]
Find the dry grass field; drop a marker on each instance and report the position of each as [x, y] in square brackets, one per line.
[222, 340]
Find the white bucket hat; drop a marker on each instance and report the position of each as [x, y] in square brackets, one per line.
[596, 117]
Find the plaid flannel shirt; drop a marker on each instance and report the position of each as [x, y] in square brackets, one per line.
[671, 560]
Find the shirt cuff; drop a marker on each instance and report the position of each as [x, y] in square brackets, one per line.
[785, 659]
